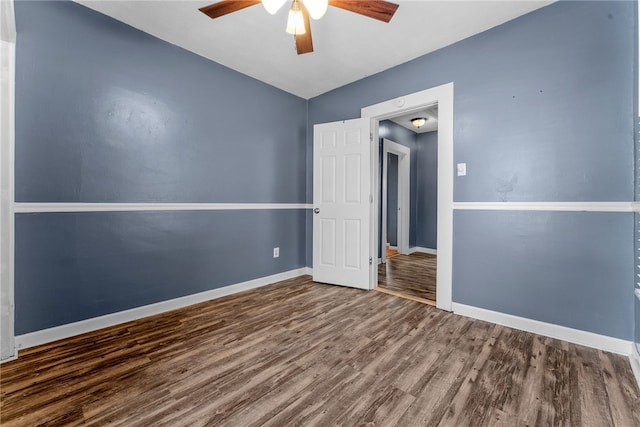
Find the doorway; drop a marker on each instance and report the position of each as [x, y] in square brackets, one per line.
[411, 271]
[396, 197]
[442, 96]
[392, 209]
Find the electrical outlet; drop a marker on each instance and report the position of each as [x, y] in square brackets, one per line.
[276, 252]
[462, 169]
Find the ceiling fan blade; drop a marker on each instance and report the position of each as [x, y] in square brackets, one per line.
[376, 9]
[226, 7]
[304, 42]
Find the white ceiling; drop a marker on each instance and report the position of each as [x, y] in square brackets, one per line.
[429, 113]
[347, 46]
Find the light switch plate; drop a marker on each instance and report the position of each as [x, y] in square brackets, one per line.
[462, 169]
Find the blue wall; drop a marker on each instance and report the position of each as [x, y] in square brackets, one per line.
[524, 104]
[566, 268]
[106, 113]
[125, 117]
[427, 190]
[74, 266]
[543, 111]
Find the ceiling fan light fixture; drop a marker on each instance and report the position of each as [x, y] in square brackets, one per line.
[295, 23]
[273, 6]
[316, 8]
[301, 11]
[418, 122]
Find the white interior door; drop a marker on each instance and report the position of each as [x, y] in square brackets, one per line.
[342, 203]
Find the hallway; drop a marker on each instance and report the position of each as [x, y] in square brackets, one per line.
[410, 275]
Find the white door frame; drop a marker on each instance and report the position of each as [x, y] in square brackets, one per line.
[404, 197]
[443, 97]
[7, 198]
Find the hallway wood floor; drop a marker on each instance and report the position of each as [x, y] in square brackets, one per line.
[301, 353]
[412, 275]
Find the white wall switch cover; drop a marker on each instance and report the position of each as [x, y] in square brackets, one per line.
[462, 169]
[276, 252]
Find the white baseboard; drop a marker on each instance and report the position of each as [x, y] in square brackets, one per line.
[308, 271]
[423, 250]
[10, 358]
[634, 359]
[71, 329]
[576, 336]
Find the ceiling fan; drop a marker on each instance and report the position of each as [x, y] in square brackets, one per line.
[298, 23]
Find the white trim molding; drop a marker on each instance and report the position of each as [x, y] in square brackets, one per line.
[576, 336]
[7, 21]
[9, 359]
[131, 207]
[422, 250]
[7, 149]
[71, 329]
[550, 206]
[634, 359]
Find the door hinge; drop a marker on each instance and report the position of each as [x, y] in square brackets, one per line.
[370, 260]
[370, 198]
[371, 137]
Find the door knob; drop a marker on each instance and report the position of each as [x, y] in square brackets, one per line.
[316, 211]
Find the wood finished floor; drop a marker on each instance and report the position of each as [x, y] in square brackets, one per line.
[300, 353]
[413, 275]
